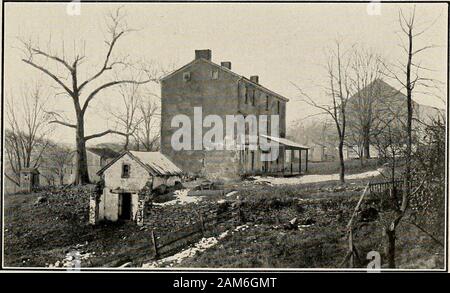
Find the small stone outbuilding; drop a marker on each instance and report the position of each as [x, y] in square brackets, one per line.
[125, 178]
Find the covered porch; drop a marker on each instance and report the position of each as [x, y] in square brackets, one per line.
[292, 160]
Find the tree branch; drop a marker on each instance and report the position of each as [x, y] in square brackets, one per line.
[49, 74]
[105, 133]
[107, 85]
[63, 123]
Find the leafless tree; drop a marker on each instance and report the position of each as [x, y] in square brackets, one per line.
[27, 129]
[56, 160]
[339, 90]
[363, 105]
[409, 74]
[147, 135]
[76, 89]
[127, 117]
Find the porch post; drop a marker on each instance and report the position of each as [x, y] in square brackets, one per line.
[292, 161]
[300, 161]
[306, 167]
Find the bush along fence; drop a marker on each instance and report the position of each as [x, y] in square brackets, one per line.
[206, 224]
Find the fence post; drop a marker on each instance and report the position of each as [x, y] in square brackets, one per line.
[350, 246]
[202, 223]
[236, 213]
[155, 247]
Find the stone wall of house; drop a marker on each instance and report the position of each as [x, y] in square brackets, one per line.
[220, 93]
[137, 179]
[109, 200]
[215, 96]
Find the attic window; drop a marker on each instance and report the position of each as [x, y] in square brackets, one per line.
[186, 76]
[125, 170]
[215, 74]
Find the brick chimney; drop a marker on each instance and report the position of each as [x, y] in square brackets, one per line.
[205, 54]
[254, 78]
[226, 64]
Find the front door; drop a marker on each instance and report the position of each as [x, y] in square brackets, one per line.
[125, 206]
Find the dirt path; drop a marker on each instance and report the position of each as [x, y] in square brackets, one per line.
[316, 178]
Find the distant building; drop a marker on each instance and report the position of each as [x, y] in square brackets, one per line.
[388, 110]
[97, 158]
[125, 176]
[220, 91]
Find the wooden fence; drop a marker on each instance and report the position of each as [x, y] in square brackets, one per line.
[383, 186]
[179, 239]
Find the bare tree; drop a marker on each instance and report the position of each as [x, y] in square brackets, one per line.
[147, 135]
[27, 129]
[363, 105]
[75, 89]
[339, 91]
[127, 117]
[56, 160]
[409, 74]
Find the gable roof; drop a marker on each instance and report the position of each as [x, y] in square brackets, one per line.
[154, 162]
[103, 152]
[227, 71]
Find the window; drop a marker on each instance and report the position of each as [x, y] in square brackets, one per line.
[253, 98]
[278, 107]
[186, 76]
[125, 171]
[267, 103]
[215, 74]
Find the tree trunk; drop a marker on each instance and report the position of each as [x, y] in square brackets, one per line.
[341, 160]
[366, 146]
[82, 174]
[127, 142]
[390, 248]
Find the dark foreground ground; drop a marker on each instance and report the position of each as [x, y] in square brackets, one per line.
[41, 233]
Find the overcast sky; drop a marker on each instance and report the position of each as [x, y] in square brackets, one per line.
[282, 43]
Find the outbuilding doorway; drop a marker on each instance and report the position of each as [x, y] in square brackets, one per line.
[125, 206]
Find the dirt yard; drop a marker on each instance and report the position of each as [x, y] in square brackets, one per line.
[44, 229]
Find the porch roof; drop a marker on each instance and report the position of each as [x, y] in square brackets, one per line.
[286, 142]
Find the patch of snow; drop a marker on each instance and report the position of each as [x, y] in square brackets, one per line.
[315, 178]
[231, 193]
[182, 198]
[72, 260]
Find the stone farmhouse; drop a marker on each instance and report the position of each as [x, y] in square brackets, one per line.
[220, 91]
[125, 177]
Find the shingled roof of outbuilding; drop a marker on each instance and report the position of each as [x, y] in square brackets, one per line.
[154, 162]
[103, 152]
